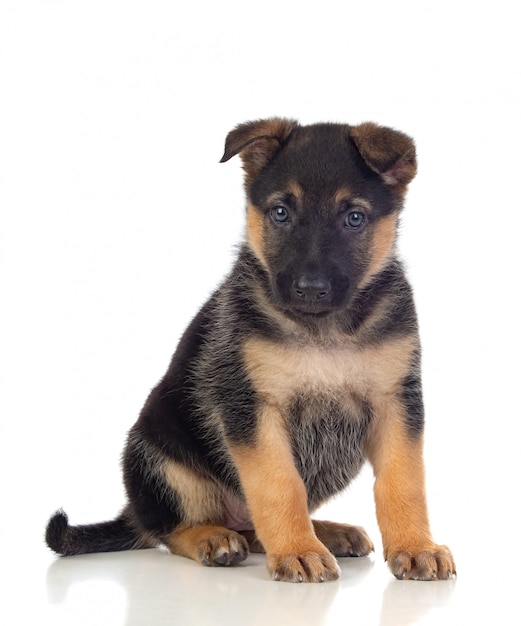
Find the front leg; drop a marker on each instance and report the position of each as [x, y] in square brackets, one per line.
[277, 502]
[396, 453]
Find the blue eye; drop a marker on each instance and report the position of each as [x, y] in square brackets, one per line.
[279, 214]
[355, 219]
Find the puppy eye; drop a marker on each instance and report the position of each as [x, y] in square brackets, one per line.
[355, 219]
[279, 214]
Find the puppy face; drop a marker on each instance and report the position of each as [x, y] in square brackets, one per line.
[321, 216]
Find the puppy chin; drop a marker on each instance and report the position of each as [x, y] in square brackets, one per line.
[306, 311]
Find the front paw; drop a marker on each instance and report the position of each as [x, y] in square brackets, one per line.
[428, 563]
[309, 567]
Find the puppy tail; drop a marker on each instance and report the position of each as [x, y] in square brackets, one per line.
[116, 535]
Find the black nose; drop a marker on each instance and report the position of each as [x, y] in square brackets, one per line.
[311, 288]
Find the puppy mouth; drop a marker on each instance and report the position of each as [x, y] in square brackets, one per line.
[313, 311]
[312, 314]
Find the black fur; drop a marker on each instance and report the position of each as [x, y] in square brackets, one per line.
[116, 535]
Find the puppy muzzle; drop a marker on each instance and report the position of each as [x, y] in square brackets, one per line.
[309, 294]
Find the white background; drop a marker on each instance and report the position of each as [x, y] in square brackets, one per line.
[118, 221]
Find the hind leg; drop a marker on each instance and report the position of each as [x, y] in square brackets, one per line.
[202, 537]
[181, 508]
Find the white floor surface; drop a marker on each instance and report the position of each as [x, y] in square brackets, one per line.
[151, 587]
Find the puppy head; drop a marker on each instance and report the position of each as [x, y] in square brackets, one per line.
[323, 205]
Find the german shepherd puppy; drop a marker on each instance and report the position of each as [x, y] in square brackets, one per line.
[302, 365]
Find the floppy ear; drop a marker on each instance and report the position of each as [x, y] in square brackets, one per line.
[257, 142]
[388, 152]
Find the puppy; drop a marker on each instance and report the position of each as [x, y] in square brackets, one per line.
[304, 364]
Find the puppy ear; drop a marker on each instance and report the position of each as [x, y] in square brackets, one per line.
[388, 152]
[257, 142]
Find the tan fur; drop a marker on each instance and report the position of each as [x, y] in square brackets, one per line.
[277, 501]
[255, 232]
[208, 544]
[344, 194]
[279, 514]
[382, 246]
[401, 505]
[295, 188]
[279, 371]
[201, 498]
[398, 467]
[362, 203]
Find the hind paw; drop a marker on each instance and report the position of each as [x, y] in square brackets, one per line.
[209, 545]
[223, 549]
[343, 539]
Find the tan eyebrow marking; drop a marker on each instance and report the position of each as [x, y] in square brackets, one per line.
[344, 195]
[293, 188]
